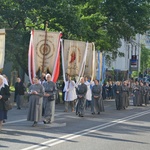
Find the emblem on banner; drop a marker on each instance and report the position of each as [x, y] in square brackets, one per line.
[74, 58]
[44, 50]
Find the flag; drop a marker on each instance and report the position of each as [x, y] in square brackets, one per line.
[31, 62]
[56, 69]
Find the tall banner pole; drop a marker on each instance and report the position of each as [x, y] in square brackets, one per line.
[93, 62]
[81, 72]
[44, 50]
[62, 58]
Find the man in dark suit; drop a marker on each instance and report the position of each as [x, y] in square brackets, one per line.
[81, 93]
[19, 92]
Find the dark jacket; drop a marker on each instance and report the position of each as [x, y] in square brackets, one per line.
[19, 88]
[5, 95]
[96, 90]
[81, 90]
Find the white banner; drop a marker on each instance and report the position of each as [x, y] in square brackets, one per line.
[74, 52]
[2, 47]
[91, 61]
[45, 47]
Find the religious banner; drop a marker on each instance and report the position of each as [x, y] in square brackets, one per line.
[101, 63]
[74, 56]
[103, 68]
[2, 48]
[44, 53]
[99, 56]
[91, 61]
[95, 66]
[31, 62]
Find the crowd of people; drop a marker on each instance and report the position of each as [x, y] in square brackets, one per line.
[77, 97]
[138, 91]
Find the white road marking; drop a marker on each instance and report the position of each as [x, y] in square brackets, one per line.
[67, 137]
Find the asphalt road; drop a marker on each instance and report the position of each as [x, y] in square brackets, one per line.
[111, 130]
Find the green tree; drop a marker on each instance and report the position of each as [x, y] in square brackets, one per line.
[145, 58]
[125, 18]
[100, 21]
[21, 16]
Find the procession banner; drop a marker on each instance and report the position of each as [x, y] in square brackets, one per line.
[44, 53]
[103, 68]
[31, 62]
[2, 48]
[91, 61]
[56, 69]
[101, 64]
[74, 55]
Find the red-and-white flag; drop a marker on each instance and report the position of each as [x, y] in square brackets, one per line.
[56, 69]
[31, 62]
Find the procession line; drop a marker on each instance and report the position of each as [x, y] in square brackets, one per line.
[67, 137]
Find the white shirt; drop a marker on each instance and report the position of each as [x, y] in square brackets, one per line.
[70, 91]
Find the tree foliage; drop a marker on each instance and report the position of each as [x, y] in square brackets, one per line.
[104, 22]
[145, 58]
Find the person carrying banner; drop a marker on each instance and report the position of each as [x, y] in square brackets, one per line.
[70, 93]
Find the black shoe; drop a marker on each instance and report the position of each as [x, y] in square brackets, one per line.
[93, 113]
[4, 121]
[34, 124]
[46, 122]
[18, 108]
[98, 113]
[81, 115]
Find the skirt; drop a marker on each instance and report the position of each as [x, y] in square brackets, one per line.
[3, 115]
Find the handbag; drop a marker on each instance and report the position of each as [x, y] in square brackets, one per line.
[8, 105]
[51, 97]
